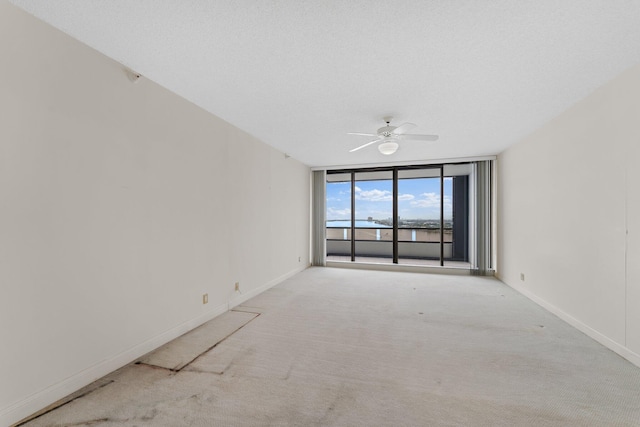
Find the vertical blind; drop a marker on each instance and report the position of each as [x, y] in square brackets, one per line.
[318, 237]
[482, 265]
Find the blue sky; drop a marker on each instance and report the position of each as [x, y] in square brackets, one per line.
[418, 199]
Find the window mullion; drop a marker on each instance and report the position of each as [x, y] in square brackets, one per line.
[395, 215]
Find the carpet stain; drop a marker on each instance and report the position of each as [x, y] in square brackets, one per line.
[88, 423]
[288, 375]
[71, 398]
[149, 416]
[203, 371]
[170, 372]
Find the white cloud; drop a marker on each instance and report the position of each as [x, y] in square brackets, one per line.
[348, 193]
[338, 213]
[380, 195]
[374, 195]
[431, 200]
[428, 200]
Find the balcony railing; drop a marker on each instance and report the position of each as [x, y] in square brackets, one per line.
[422, 243]
[386, 234]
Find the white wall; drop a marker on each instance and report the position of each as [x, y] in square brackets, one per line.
[120, 205]
[569, 215]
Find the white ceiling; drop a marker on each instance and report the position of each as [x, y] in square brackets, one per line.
[300, 74]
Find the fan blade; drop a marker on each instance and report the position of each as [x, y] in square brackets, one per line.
[403, 128]
[410, 137]
[364, 145]
[363, 134]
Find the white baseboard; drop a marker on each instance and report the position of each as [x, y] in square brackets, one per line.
[582, 327]
[36, 402]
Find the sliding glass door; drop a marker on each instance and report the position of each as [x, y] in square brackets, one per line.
[338, 217]
[425, 216]
[402, 215]
[373, 231]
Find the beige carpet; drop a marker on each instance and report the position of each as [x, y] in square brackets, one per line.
[342, 347]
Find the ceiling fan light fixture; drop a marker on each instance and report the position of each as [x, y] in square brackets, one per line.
[388, 137]
[388, 147]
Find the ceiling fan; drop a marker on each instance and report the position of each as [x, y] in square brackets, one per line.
[389, 136]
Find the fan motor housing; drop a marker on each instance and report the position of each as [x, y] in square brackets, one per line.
[386, 130]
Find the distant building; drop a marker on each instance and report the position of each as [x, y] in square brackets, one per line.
[370, 219]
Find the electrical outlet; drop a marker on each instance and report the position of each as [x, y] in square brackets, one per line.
[205, 298]
[522, 276]
[237, 286]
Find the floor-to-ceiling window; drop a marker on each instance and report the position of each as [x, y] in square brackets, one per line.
[403, 215]
[424, 215]
[373, 216]
[338, 216]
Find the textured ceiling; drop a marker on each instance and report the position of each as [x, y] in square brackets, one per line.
[300, 74]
